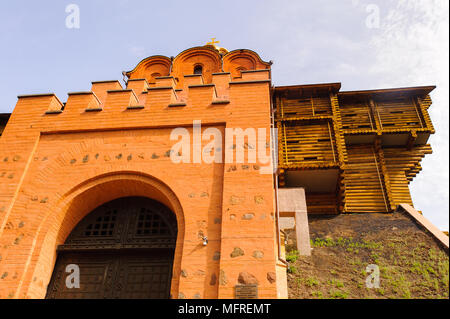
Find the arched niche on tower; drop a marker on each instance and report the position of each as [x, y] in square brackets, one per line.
[243, 60]
[206, 59]
[151, 68]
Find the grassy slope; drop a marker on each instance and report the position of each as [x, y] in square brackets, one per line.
[411, 265]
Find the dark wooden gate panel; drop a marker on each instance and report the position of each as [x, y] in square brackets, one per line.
[96, 276]
[142, 277]
[124, 249]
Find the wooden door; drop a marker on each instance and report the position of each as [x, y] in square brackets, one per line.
[123, 249]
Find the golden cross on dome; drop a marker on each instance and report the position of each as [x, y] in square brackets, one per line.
[212, 42]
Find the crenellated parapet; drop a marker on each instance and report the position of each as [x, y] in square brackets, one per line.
[153, 100]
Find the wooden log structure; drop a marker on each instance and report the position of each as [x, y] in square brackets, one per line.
[374, 139]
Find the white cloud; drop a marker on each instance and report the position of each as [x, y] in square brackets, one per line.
[329, 41]
[412, 49]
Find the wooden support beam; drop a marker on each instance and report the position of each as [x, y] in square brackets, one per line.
[411, 139]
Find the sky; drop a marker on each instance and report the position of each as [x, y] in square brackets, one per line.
[362, 44]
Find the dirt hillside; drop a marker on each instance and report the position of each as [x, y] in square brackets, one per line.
[411, 263]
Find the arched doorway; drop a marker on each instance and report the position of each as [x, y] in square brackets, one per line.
[123, 249]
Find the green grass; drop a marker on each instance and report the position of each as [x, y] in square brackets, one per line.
[347, 243]
[338, 294]
[317, 294]
[407, 269]
[292, 256]
[310, 282]
[292, 269]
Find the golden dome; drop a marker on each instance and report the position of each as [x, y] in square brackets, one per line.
[212, 44]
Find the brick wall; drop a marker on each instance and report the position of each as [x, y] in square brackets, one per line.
[57, 164]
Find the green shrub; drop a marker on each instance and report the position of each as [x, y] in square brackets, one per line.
[292, 269]
[292, 256]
